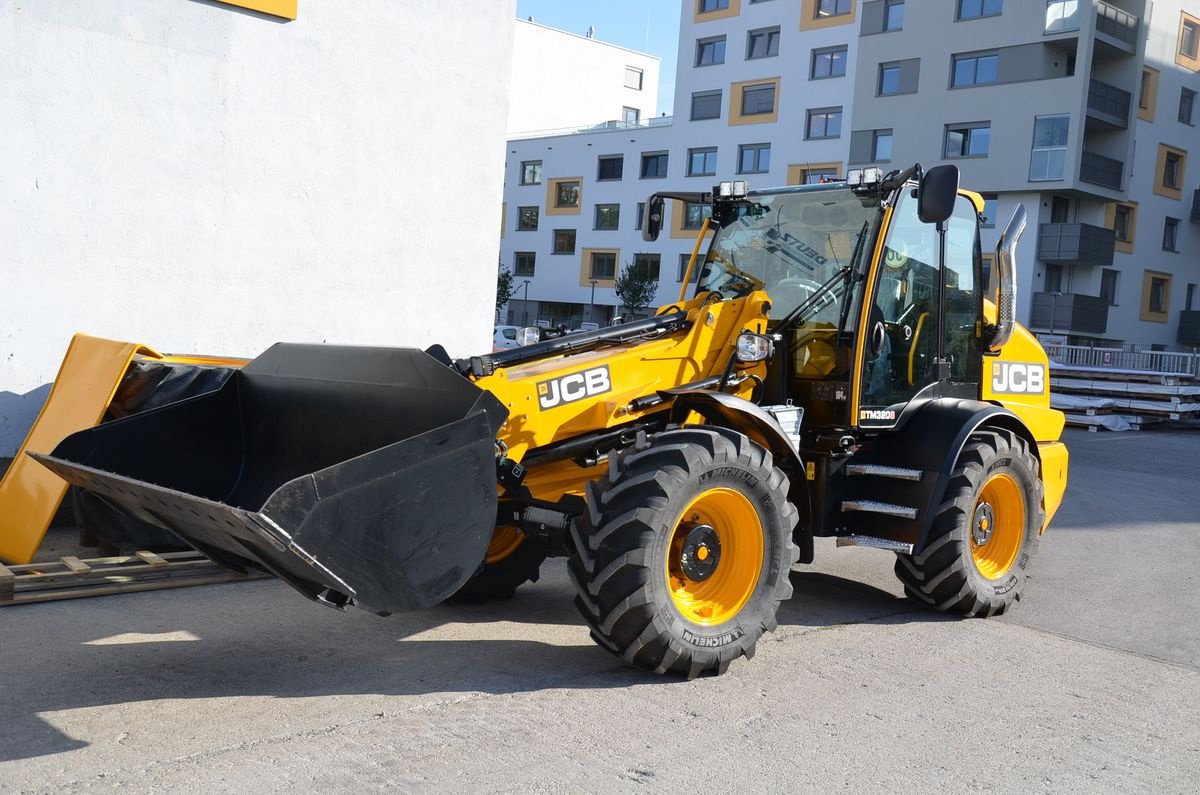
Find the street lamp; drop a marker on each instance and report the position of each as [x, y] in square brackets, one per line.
[1054, 296]
[525, 305]
[592, 303]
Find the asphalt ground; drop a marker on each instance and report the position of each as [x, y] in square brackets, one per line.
[1091, 685]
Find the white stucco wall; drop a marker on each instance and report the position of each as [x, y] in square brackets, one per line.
[204, 179]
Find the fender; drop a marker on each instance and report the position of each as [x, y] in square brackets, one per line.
[931, 436]
[730, 411]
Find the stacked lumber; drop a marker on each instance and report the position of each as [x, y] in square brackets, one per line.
[1101, 398]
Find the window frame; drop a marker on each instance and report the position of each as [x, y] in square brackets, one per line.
[812, 113]
[709, 6]
[841, 8]
[558, 234]
[773, 34]
[1186, 26]
[688, 223]
[521, 212]
[976, 57]
[759, 87]
[983, 14]
[637, 72]
[525, 165]
[1110, 277]
[841, 49]
[888, 6]
[884, 69]
[606, 209]
[1055, 148]
[517, 258]
[558, 194]
[1187, 99]
[602, 159]
[758, 149]
[876, 136]
[1170, 241]
[707, 40]
[648, 257]
[968, 130]
[656, 157]
[593, 256]
[704, 152]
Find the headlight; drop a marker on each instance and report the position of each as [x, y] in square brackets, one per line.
[529, 335]
[754, 347]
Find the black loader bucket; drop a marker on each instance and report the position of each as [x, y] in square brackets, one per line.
[359, 475]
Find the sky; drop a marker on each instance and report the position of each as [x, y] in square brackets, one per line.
[650, 26]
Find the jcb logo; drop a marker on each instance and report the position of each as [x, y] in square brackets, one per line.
[1017, 378]
[573, 387]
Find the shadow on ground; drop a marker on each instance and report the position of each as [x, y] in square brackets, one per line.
[260, 639]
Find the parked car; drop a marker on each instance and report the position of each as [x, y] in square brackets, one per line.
[505, 337]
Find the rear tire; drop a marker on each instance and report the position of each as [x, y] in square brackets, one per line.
[986, 532]
[512, 560]
[682, 558]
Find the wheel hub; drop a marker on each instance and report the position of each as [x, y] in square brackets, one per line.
[701, 552]
[984, 524]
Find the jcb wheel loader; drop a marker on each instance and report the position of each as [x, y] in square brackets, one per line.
[839, 363]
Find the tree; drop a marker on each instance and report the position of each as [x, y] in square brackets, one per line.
[505, 286]
[636, 287]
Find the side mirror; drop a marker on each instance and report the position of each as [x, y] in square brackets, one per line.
[653, 221]
[937, 194]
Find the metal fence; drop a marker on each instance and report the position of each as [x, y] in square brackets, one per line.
[1120, 359]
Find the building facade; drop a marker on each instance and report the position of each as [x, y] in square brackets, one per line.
[206, 178]
[1082, 112]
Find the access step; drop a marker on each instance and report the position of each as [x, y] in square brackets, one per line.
[884, 508]
[881, 471]
[875, 543]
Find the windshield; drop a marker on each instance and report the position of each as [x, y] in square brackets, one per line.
[790, 244]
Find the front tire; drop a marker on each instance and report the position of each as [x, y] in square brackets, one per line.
[682, 559]
[986, 532]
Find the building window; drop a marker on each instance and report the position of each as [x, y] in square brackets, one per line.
[633, 78]
[829, 62]
[1187, 104]
[639, 214]
[647, 266]
[1108, 286]
[974, 70]
[566, 194]
[608, 217]
[1170, 174]
[564, 241]
[754, 158]
[603, 266]
[684, 261]
[631, 115]
[758, 99]
[713, 5]
[1054, 274]
[1122, 228]
[973, 9]
[1158, 294]
[710, 52]
[815, 176]
[1171, 234]
[832, 8]
[1189, 39]
[1049, 156]
[702, 162]
[823, 123]
[1145, 89]
[762, 43]
[881, 146]
[889, 80]
[1191, 295]
[694, 214]
[523, 262]
[991, 209]
[1060, 210]
[968, 140]
[610, 167]
[893, 15]
[654, 166]
[527, 219]
[531, 172]
[706, 105]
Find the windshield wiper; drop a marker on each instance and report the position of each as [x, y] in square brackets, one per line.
[800, 311]
[858, 247]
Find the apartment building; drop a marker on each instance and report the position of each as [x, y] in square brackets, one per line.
[1083, 112]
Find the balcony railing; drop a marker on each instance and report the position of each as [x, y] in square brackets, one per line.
[1076, 244]
[1101, 170]
[1118, 25]
[1069, 313]
[1109, 103]
[612, 125]
[1062, 16]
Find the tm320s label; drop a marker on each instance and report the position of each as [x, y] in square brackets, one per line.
[573, 387]
[1018, 378]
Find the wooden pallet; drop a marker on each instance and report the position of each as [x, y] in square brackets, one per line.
[73, 578]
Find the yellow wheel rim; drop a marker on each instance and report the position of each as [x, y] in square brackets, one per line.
[505, 540]
[997, 526]
[710, 582]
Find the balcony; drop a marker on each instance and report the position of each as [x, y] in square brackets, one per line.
[1108, 104]
[1101, 170]
[1069, 313]
[1189, 327]
[1115, 29]
[1076, 244]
